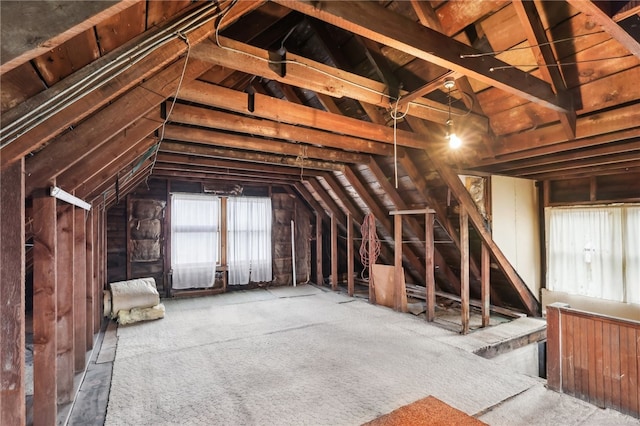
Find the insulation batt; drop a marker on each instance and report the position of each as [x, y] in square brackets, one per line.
[140, 314]
[137, 293]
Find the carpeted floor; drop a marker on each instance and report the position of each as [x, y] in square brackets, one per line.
[304, 356]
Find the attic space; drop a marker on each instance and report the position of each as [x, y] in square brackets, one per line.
[461, 174]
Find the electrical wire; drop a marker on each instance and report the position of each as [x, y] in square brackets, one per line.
[320, 71]
[113, 69]
[369, 235]
[498, 52]
[173, 103]
[396, 117]
[504, 67]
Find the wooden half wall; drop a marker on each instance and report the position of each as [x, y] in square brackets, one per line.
[594, 357]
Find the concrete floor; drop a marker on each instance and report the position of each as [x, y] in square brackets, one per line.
[308, 356]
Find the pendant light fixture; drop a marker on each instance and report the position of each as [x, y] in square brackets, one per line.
[450, 135]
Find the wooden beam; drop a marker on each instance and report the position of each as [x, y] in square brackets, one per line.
[464, 269]
[79, 289]
[45, 399]
[272, 164]
[398, 271]
[282, 111]
[382, 216]
[204, 140]
[77, 144]
[304, 193]
[12, 295]
[195, 116]
[464, 199]
[332, 82]
[485, 294]
[543, 53]
[90, 281]
[64, 294]
[350, 255]
[430, 282]
[425, 89]
[131, 139]
[412, 223]
[373, 21]
[591, 9]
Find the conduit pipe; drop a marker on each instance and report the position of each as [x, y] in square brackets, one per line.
[102, 76]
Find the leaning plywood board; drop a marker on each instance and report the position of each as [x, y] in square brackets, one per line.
[384, 286]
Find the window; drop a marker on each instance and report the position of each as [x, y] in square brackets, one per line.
[249, 255]
[595, 251]
[194, 240]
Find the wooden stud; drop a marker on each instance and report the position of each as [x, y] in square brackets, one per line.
[429, 279]
[371, 254]
[79, 289]
[350, 254]
[554, 355]
[319, 277]
[64, 293]
[334, 252]
[45, 408]
[464, 268]
[12, 295]
[485, 286]
[397, 272]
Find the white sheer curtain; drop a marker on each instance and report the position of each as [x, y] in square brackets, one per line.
[194, 240]
[249, 255]
[588, 249]
[632, 249]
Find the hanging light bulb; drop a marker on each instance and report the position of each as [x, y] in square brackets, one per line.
[454, 141]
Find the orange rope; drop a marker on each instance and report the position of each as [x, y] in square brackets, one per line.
[368, 231]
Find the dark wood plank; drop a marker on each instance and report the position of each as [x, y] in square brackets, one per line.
[638, 366]
[568, 366]
[64, 293]
[584, 359]
[615, 367]
[44, 303]
[79, 289]
[12, 295]
[464, 268]
[554, 356]
[632, 370]
[606, 364]
[598, 353]
[624, 370]
[591, 360]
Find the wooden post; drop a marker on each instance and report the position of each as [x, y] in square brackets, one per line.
[554, 348]
[397, 276]
[64, 294]
[371, 255]
[79, 289]
[430, 282]
[334, 252]
[102, 270]
[485, 284]
[464, 268]
[91, 243]
[350, 266]
[45, 408]
[12, 293]
[319, 277]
